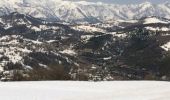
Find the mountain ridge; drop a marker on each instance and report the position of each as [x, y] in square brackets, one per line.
[83, 11]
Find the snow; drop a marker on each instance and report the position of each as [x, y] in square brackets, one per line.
[88, 28]
[145, 5]
[153, 20]
[85, 38]
[7, 26]
[36, 28]
[85, 3]
[67, 90]
[1, 68]
[33, 41]
[166, 46]
[120, 35]
[44, 27]
[157, 28]
[82, 10]
[68, 51]
[50, 41]
[12, 53]
[128, 21]
[45, 66]
[9, 49]
[165, 29]
[107, 58]
[1, 20]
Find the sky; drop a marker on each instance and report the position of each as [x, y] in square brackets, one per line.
[127, 1]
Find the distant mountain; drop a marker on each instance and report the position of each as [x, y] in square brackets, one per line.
[82, 11]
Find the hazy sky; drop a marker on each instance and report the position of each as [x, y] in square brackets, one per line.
[126, 1]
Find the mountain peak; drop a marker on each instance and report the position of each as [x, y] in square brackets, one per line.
[146, 4]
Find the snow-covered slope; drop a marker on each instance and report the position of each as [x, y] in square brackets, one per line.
[151, 20]
[121, 90]
[91, 49]
[82, 11]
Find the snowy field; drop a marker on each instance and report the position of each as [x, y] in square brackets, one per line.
[116, 90]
